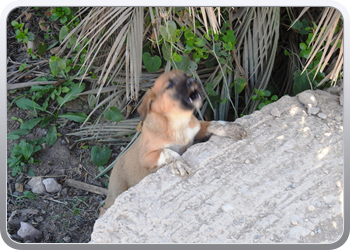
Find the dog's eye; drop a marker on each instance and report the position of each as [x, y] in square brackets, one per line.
[171, 85]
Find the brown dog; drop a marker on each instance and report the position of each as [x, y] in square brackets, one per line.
[169, 128]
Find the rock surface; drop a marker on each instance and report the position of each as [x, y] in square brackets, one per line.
[27, 231]
[51, 185]
[283, 183]
[37, 186]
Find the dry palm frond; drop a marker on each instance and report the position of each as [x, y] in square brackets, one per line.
[257, 32]
[326, 31]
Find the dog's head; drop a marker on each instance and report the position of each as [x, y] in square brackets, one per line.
[174, 92]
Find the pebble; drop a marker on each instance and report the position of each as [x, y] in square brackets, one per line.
[295, 223]
[313, 110]
[36, 185]
[322, 115]
[304, 198]
[312, 234]
[338, 183]
[51, 185]
[311, 208]
[292, 185]
[247, 161]
[308, 99]
[275, 112]
[227, 207]
[27, 231]
[66, 239]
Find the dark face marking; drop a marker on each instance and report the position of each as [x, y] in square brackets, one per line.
[186, 90]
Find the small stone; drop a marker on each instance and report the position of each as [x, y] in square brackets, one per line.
[322, 115]
[312, 234]
[295, 223]
[27, 231]
[19, 187]
[247, 161]
[313, 110]
[275, 112]
[330, 206]
[308, 99]
[304, 198]
[338, 183]
[311, 208]
[292, 185]
[36, 185]
[66, 239]
[319, 231]
[227, 207]
[51, 185]
[54, 51]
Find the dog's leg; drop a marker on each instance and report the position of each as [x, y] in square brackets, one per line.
[167, 157]
[221, 128]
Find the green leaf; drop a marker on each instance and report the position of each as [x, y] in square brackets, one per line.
[177, 57]
[55, 16]
[51, 136]
[152, 64]
[168, 32]
[42, 48]
[29, 195]
[75, 90]
[113, 114]
[286, 53]
[64, 19]
[230, 37]
[77, 117]
[63, 33]
[266, 93]
[302, 46]
[57, 65]
[261, 105]
[67, 11]
[22, 67]
[15, 24]
[200, 41]
[210, 89]
[100, 157]
[14, 135]
[30, 124]
[25, 103]
[274, 98]
[46, 121]
[31, 36]
[183, 64]
[239, 85]
[301, 82]
[26, 149]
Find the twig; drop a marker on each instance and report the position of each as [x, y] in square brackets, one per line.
[86, 187]
[28, 84]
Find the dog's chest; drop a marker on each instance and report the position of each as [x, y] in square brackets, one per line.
[183, 138]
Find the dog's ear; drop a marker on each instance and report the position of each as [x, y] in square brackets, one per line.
[145, 105]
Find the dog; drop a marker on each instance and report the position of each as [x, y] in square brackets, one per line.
[168, 129]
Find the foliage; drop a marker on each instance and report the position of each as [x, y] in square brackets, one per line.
[21, 33]
[100, 156]
[22, 155]
[263, 96]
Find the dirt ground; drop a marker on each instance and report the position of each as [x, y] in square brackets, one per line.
[55, 215]
[66, 216]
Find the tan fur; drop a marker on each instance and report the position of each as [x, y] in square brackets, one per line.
[167, 127]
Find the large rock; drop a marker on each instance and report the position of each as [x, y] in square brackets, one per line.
[283, 183]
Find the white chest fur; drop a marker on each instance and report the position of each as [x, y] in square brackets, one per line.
[184, 138]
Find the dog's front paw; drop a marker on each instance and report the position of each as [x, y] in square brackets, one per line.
[229, 129]
[176, 164]
[179, 167]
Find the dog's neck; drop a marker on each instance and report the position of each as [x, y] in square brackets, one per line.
[176, 125]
